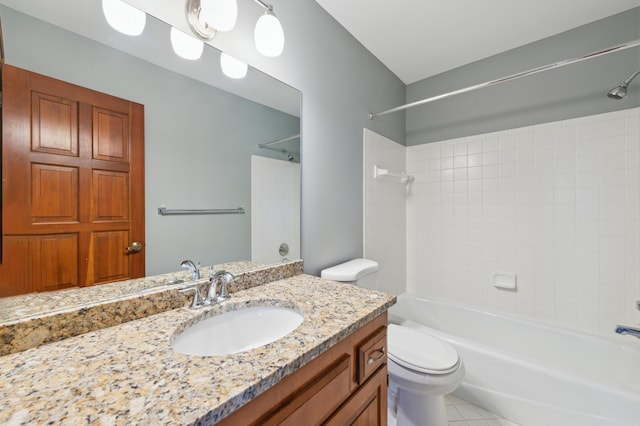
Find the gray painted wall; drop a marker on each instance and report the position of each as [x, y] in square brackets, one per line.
[341, 82]
[198, 139]
[572, 91]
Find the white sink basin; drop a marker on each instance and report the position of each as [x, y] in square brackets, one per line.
[237, 331]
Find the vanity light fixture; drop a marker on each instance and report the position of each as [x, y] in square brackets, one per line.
[268, 34]
[123, 17]
[219, 14]
[197, 23]
[186, 46]
[231, 67]
[205, 17]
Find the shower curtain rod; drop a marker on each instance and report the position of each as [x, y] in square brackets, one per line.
[290, 138]
[619, 47]
[284, 151]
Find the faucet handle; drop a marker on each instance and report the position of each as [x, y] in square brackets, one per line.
[197, 297]
[211, 297]
[227, 277]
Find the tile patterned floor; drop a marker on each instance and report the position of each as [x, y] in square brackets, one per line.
[463, 413]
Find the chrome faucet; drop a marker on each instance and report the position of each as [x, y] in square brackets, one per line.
[624, 329]
[212, 296]
[193, 268]
[222, 277]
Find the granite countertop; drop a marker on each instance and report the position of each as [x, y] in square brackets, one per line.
[129, 374]
[16, 308]
[34, 319]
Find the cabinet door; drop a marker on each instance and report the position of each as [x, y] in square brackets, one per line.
[316, 400]
[367, 406]
[73, 185]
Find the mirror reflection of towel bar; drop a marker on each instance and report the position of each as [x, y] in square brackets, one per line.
[163, 211]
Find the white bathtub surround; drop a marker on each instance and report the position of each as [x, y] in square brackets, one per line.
[529, 372]
[556, 204]
[275, 207]
[384, 211]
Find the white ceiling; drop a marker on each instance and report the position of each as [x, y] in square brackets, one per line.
[417, 39]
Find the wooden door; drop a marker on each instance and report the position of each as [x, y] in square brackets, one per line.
[72, 185]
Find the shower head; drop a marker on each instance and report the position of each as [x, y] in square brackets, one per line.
[617, 92]
[620, 91]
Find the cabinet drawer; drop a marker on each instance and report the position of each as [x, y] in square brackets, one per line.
[372, 353]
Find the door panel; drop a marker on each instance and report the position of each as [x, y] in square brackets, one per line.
[41, 263]
[56, 261]
[17, 252]
[54, 194]
[72, 165]
[110, 196]
[54, 124]
[110, 135]
[109, 259]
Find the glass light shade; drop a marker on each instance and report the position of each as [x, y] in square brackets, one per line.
[185, 46]
[123, 17]
[269, 36]
[219, 14]
[231, 67]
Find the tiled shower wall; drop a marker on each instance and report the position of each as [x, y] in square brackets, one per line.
[556, 204]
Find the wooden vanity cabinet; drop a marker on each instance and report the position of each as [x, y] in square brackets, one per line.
[346, 385]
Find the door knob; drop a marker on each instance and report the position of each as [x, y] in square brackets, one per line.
[134, 247]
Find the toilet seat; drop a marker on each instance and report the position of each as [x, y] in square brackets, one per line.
[420, 352]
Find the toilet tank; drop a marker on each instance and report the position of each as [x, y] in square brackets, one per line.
[361, 272]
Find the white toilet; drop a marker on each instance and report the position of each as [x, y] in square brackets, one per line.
[422, 368]
[360, 272]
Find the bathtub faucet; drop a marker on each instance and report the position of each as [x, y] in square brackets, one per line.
[623, 329]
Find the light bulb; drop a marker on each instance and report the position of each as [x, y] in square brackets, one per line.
[219, 14]
[231, 67]
[123, 17]
[185, 46]
[268, 35]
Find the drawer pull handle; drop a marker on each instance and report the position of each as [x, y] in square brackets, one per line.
[375, 356]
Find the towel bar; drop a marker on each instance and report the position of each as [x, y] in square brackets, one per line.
[163, 211]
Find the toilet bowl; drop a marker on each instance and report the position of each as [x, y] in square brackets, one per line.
[422, 368]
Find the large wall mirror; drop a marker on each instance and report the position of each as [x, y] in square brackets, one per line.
[203, 131]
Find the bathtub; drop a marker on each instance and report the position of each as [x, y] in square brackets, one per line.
[531, 373]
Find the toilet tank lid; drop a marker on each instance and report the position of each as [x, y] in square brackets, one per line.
[350, 271]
